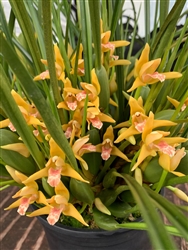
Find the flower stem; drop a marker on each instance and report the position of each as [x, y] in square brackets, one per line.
[161, 181]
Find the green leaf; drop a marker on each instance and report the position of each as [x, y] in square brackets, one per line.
[120, 209]
[47, 27]
[12, 158]
[159, 238]
[81, 191]
[93, 159]
[24, 21]
[174, 215]
[143, 226]
[86, 38]
[159, 44]
[104, 221]
[94, 6]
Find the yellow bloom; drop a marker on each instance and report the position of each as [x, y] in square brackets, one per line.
[29, 194]
[156, 141]
[69, 96]
[108, 45]
[107, 147]
[59, 204]
[95, 117]
[75, 98]
[59, 65]
[145, 71]
[175, 103]
[139, 120]
[80, 147]
[171, 162]
[55, 167]
[73, 128]
[80, 69]
[29, 112]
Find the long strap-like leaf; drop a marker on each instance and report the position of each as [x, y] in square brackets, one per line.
[174, 215]
[22, 16]
[156, 230]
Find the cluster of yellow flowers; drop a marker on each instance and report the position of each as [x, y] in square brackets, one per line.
[84, 101]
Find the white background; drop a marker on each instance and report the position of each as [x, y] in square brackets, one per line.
[128, 11]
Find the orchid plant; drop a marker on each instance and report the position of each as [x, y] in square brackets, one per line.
[91, 137]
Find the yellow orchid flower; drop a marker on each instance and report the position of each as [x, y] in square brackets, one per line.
[75, 98]
[107, 45]
[73, 128]
[55, 167]
[145, 71]
[80, 147]
[95, 117]
[175, 103]
[69, 96]
[170, 163]
[58, 204]
[107, 147]
[156, 141]
[139, 120]
[80, 69]
[29, 194]
[59, 65]
[29, 112]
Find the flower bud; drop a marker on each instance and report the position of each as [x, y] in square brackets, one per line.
[138, 175]
[101, 207]
[179, 193]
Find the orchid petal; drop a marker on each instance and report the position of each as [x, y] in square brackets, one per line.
[54, 215]
[117, 152]
[177, 173]
[62, 190]
[137, 83]
[39, 174]
[73, 212]
[172, 75]
[14, 204]
[164, 161]
[17, 147]
[70, 172]
[175, 161]
[144, 58]
[84, 164]
[127, 133]
[120, 43]
[149, 67]
[135, 106]
[12, 171]
[40, 211]
[24, 204]
[109, 133]
[150, 138]
[41, 198]
[144, 153]
[54, 176]
[119, 62]
[79, 143]
[4, 123]
[161, 123]
[55, 150]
